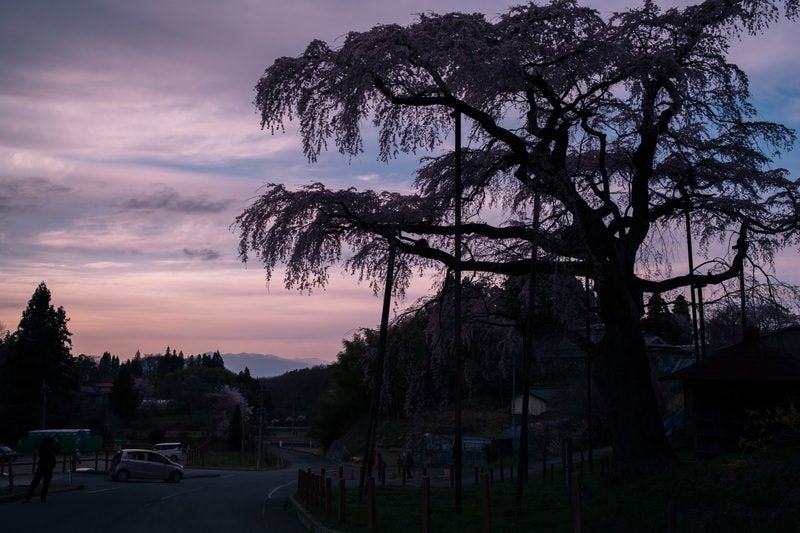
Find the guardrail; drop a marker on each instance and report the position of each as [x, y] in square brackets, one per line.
[69, 462]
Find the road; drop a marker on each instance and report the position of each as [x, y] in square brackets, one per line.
[205, 501]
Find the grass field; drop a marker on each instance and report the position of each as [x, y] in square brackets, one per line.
[756, 492]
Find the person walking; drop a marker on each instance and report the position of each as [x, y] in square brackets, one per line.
[44, 471]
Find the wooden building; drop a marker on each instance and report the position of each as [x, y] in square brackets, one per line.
[722, 391]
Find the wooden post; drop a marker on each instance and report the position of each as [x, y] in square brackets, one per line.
[575, 498]
[300, 485]
[313, 484]
[672, 514]
[426, 505]
[341, 500]
[486, 509]
[372, 512]
[328, 491]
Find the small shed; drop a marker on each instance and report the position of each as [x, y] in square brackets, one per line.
[541, 400]
[721, 391]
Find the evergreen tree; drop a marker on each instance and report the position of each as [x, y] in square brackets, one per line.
[216, 360]
[235, 430]
[661, 322]
[681, 307]
[136, 364]
[104, 367]
[40, 372]
[125, 399]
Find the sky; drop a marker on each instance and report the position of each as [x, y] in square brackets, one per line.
[129, 143]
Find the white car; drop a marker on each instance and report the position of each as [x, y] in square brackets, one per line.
[173, 450]
[144, 464]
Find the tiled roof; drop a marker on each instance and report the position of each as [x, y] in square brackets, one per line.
[750, 360]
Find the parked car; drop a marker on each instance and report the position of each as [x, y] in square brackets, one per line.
[173, 450]
[7, 455]
[144, 464]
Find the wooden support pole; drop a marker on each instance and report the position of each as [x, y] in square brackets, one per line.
[372, 511]
[486, 507]
[341, 513]
[426, 505]
[575, 499]
[328, 495]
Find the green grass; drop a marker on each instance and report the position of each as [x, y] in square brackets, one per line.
[756, 492]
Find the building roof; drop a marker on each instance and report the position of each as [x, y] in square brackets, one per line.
[548, 395]
[749, 360]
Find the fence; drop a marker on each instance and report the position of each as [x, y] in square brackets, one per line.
[315, 490]
[68, 462]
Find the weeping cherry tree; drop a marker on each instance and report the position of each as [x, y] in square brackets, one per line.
[620, 125]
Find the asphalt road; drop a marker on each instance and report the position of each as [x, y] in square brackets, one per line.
[205, 501]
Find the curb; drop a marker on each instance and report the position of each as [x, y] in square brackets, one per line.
[307, 519]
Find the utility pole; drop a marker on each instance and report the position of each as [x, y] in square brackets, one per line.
[742, 295]
[44, 403]
[369, 448]
[691, 286]
[589, 377]
[242, 409]
[260, 422]
[457, 356]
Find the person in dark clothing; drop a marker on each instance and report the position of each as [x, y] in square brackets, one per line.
[408, 463]
[44, 471]
[381, 469]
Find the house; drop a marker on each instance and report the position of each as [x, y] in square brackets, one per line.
[786, 340]
[96, 394]
[540, 401]
[722, 392]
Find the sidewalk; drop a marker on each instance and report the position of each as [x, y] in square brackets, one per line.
[67, 481]
[59, 483]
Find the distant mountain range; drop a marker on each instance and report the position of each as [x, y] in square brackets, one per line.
[266, 365]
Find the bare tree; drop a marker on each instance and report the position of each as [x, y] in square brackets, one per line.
[621, 126]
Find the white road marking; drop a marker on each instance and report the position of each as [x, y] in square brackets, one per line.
[103, 490]
[180, 493]
[276, 489]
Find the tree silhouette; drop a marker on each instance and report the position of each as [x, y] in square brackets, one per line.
[235, 430]
[620, 127]
[39, 373]
[125, 399]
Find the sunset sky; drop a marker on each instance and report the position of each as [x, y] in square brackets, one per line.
[129, 143]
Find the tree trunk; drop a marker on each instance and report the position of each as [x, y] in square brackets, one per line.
[621, 372]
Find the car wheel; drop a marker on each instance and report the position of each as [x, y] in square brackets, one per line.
[122, 475]
[175, 477]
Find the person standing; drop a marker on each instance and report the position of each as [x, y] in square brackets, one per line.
[408, 464]
[44, 471]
